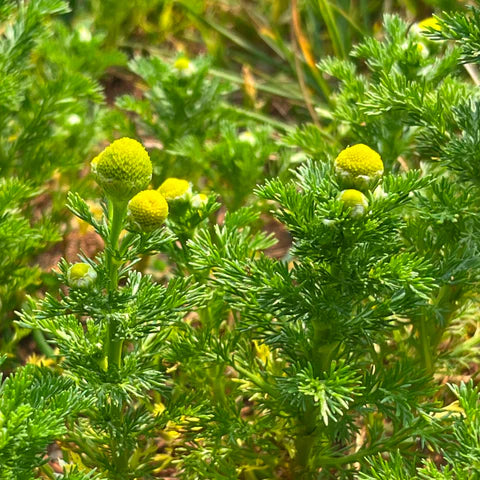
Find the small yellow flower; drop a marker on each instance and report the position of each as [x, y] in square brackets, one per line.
[81, 275]
[182, 63]
[358, 165]
[123, 169]
[147, 210]
[175, 189]
[354, 199]
[430, 22]
[247, 137]
[184, 67]
[199, 200]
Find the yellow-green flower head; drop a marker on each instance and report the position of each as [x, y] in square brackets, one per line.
[358, 165]
[354, 199]
[81, 275]
[182, 63]
[430, 22]
[147, 211]
[247, 137]
[184, 66]
[123, 169]
[175, 189]
[199, 201]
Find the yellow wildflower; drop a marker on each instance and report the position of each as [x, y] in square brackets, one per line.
[175, 189]
[430, 22]
[182, 63]
[358, 165]
[123, 169]
[147, 210]
[199, 200]
[184, 66]
[81, 275]
[354, 199]
[247, 137]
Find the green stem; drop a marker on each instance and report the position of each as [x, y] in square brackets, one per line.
[42, 344]
[431, 332]
[113, 346]
[322, 352]
[304, 442]
[117, 213]
[425, 345]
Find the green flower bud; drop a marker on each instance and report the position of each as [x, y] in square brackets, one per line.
[199, 201]
[247, 137]
[354, 199]
[184, 66]
[81, 275]
[147, 211]
[123, 169]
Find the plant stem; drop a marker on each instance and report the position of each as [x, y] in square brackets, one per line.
[113, 346]
[426, 346]
[117, 212]
[431, 333]
[42, 344]
[322, 352]
[304, 442]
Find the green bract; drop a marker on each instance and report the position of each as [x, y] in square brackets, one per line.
[123, 169]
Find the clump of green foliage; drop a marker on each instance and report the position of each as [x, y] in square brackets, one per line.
[46, 119]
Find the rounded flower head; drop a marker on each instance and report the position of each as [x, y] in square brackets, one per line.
[184, 66]
[247, 137]
[354, 199]
[81, 275]
[358, 165]
[123, 169]
[199, 200]
[182, 63]
[430, 22]
[147, 210]
[175, 189]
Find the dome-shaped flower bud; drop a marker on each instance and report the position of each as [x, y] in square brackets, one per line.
[81, 275]
[182, 63]
[354, 199]
[175, 189]
[199, 200]
[184, 66]
[147, 211]
[358, 166]
[247, 137]
[123, 169]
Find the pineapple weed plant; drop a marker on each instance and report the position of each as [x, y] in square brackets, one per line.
[230, 363]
